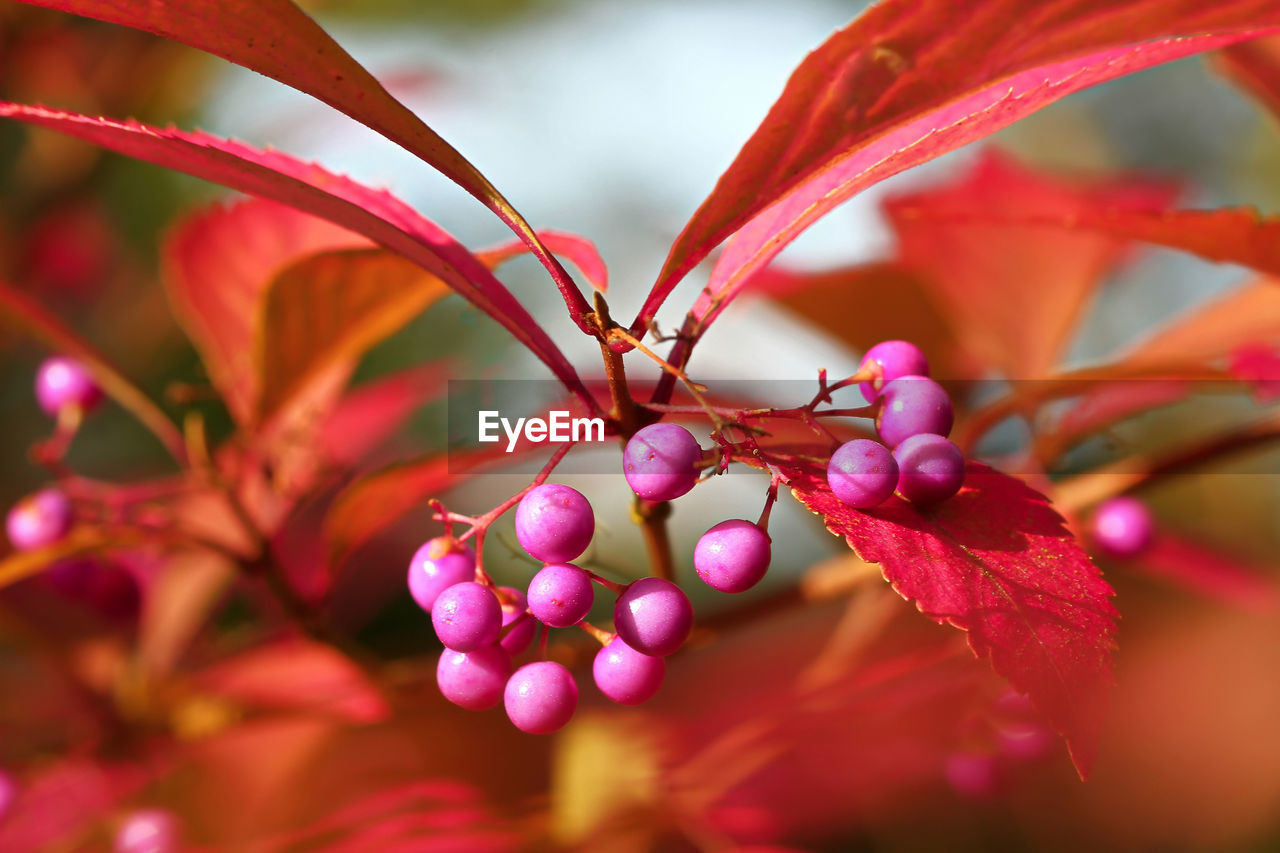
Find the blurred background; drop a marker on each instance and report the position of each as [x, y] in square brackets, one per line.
[613, 120]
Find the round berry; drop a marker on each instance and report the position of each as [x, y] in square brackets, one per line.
[625, 675]
[930, 468]
[862, 473]
[62, 382]
[517, 624]
[732, 556]
[1122, 526]
[438, 565]
[660, 462]
[560, 595]
[467, 616]
[148, 831]
[554, 523]
[912, 405]
[474, 680]
[39, 520]
[653, 616]
[541, 697]
[895, 359]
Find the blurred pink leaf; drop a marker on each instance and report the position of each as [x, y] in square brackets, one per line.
[1209, 572]
[59, 806]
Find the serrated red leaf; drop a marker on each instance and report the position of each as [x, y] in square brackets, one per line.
[277, 39]
[909, 81]
[374, 214]
[997, 562]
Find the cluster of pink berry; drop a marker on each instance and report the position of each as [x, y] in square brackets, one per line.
[913, 418]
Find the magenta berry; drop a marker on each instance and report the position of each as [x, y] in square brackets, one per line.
[39, 520]
[467, 616]
[625, 675]
[474, 680]
[1122, 526]
[653, 616]
[732, 556]
[148, 831]
[554, 523]
[862, 473]
[660, 462]
[930, 468]
[517, 625]
[438, 565]
[561, 595]
[895, 358]
[541, 697]
[63, 382]
[912, 405]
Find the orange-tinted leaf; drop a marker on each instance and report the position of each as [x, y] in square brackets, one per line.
[81, 540]
[580, 250]
[998, 563]
[218, 263]
[1209, 333]
[329, 310]
[30, 317]
[911, 80]
[297, 675]
[277, 39]
[1014, 291]
[178, 603]
[1255, 67]
[374, 214]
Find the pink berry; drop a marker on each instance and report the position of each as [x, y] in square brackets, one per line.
[732, 556]
[560, 595]
[895, 358]
[930, 469]
[1123, 527]
[974, 775]
[438, 565]
[625, 675]
[541, 697]
[63, 382]
[518, 625]
[148, 831]
[660, 462]
[862, 473]
[653, 616]
[39, 520]
[911, 405]
[467, 616]
[474, 680]
[554, 523]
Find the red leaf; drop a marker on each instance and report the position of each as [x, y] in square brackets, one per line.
[1014, 291]
[1207, 571]
[277, 39]
[580, 250]
[997, 562]
[297, 675]
[372, 213]
[909, 81]
[1255, 67]
[219, 262]
[57, 807]
[371, 413]
[1259, 366]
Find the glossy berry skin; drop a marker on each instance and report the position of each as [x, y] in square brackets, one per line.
[912, 405]
[560, 595]
[862, 473]
[39, 520]
[1122, 527]
[660, 462]
[63, 382]
[516, 615]
[625, 675]
[653, 616]
[895, 358]
[732, 556]
[554, 523]
[438, 565]
[474, 680]
[148, 831]
[467, 616]
[541, 697]
[930, 469]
